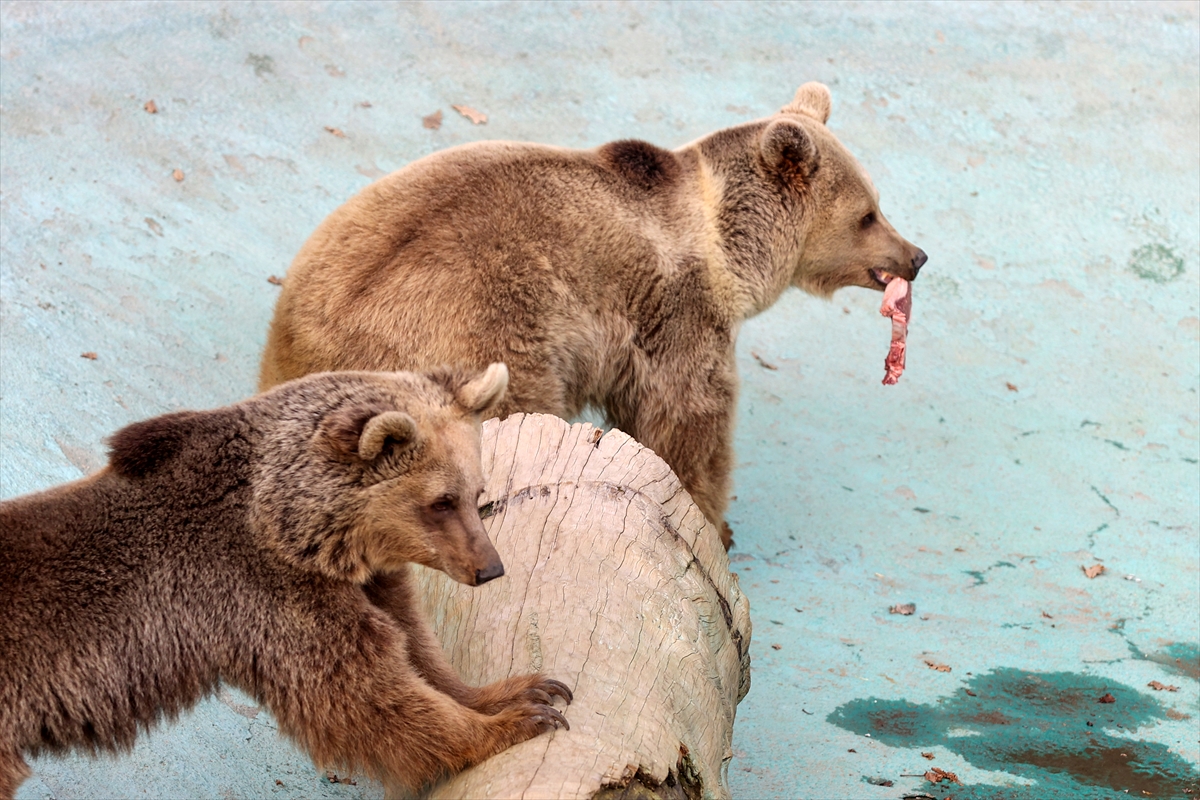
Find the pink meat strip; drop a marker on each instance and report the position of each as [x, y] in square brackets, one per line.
[897, 304]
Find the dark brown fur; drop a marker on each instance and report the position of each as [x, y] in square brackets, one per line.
[255, 544]
[614, 277]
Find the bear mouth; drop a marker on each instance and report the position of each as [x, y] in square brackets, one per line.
[880, 276]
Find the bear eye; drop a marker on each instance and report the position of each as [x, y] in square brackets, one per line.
[868, 220]
[443, 504]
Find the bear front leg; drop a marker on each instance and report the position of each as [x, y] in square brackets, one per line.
[352, 698]
[13, 771]
[394, 594]
[686, 417]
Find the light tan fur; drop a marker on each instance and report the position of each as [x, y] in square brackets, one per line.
[615, 277]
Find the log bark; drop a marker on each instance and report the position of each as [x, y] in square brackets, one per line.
[616, 585]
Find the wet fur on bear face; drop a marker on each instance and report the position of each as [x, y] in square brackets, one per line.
[265, 544]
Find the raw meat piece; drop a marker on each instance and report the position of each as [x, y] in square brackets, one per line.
[897, 304]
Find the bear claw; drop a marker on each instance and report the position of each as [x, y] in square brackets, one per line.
[551, 686]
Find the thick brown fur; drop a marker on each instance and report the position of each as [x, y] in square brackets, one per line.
[614, 277]
[265, 544]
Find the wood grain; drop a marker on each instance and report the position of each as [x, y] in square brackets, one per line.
[616, 585]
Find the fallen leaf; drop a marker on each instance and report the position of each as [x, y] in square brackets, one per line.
[776, 647]
[937, 666]
[336, 132]
[278, 782]
[274, 280]
[970, 693]
[851, 750]
[476, 117]
[151, 107]
[433, 121]
[1011, 387]
[1047, 616]
[1177, 715]
[880, 782]
[1106, 698]
[1093, 571]
[177, 175]
[904, 609]
[762, 363]
[927, 755]
[1162, 687]
[89, 355]
[936, 775]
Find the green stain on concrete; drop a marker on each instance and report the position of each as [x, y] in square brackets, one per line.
[1045, 726]
[1156, 263]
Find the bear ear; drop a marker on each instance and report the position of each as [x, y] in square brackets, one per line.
[394, 425]
[482, 393]
[813, 100]
[363, 433]
[141, 448]
[788, 149]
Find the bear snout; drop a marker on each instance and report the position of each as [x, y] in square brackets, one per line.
[918, 261]
[490, 572]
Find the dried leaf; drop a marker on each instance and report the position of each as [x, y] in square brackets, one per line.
[762, 363]
[1047, 616]
[177, 175]
[278, 782]
[1177, 715]
[275, 280]
[1011, 386]
[89, 355]
[151, 107]
[1106, 698]
[937, 775]
[433, 121]
[476, 117]
[1162, 687]
[927, 755]
[336, 132]
[904, 609]
[776, 647]
[970, 693]
[1093, 571]
[937, 666]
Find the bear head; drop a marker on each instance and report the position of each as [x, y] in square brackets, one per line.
[827, 230]
[362, 472]
[848, 240]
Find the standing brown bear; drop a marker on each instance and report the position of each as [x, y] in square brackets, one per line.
[265, 544]
[616, 277]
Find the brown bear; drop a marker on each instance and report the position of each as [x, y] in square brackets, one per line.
[616, 277]
[264, 544]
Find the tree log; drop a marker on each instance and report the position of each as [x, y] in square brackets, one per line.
[616, 585]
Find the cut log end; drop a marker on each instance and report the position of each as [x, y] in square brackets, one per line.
[617, 585]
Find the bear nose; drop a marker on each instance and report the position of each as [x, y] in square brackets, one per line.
[919, 261]
[492, 572]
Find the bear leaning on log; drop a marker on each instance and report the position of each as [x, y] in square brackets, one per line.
[264, 544]
[616, 277]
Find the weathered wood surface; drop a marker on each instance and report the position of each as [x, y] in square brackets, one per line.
[616, 585]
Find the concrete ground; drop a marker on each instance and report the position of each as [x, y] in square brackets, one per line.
[1046, 156]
